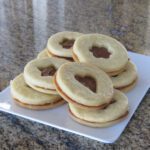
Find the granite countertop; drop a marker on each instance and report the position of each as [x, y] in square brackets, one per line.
[24, 29]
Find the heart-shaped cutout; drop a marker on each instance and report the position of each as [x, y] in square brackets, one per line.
[66, 43]
[100, 52]
[48, 71]
[87, 81]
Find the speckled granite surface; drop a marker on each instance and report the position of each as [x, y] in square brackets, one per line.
[24, 29]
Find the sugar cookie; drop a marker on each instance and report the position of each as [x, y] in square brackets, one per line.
[30, 98]
[60, 44]
[39, 73]
[112, 114]
[103, 51]
[127, 79]
[84, 85]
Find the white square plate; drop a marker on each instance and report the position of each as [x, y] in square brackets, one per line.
[60, 119]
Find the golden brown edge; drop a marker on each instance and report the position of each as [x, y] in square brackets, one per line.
[129, 87]
[40, 107]
[53, 55]
[42, 90]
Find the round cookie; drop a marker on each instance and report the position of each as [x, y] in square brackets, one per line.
[60, 44]
[110, 115]
[126, 80]
[84, 85]
[39, 73]
[43, 54]
[29, 98]
[103, 51]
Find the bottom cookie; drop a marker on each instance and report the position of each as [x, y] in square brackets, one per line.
[29, 98]
[108, 116]
[97, 124]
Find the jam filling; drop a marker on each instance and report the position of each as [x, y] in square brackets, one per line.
[66, 43]
[100, 52]
[48, 71]
[113, 101]
[87, 81]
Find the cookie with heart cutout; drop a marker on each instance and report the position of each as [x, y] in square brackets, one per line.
[61, 44]
[29, 98]
[39, 74]
[127, 79]
[43, 54]
[103, 51]
[84, 85]
[112, 114]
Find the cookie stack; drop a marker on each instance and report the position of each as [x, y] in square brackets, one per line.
[34, 89]
[60, 45]
[91, 85]
[109, 55]
[90, 94]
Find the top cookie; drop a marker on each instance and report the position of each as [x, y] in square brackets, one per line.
[84, 85]
[60, 44]
[101, 50]
[39, 73]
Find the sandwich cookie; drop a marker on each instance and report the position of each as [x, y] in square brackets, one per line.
[39, 74]
[84, 85]
[61, 44]
[30, 98]
[127, 79]
[108, 116]
[103, 51]
[43, 54]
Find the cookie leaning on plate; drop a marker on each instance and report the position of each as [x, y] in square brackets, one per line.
[43, 54]
[112, 114]
[30, 98]
[84, 85]
[102, 51]
[39, 73]
[127, 79]
[60, 44]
